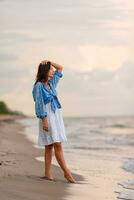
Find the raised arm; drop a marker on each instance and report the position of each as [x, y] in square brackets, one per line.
[56, 77]
[58, 67]
[57, 74]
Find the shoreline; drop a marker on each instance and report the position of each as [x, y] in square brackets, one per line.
[20, 171]
[100, 177]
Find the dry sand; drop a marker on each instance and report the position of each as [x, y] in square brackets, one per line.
[20, 171]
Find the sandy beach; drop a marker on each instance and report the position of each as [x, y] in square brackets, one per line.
[20, 171]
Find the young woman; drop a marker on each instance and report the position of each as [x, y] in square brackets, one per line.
[49, 111]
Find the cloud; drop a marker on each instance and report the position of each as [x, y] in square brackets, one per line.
[24, 36]
[99, 91]
[125, 75]
[4, 56]
[79, 22]
[11, 76]
[104, 57]
[93, 40]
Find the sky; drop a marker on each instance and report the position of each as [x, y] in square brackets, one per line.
[92, 40]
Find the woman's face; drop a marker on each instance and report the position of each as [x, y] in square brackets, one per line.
[51, 72]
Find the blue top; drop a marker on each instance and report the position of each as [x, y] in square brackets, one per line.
[42, 95]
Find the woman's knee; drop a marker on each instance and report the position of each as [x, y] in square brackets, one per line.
[50, 146]
[57, 146]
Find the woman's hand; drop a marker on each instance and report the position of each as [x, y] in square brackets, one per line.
[45, 123]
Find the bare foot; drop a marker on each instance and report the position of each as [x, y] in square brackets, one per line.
[47, 178]
[69, 177]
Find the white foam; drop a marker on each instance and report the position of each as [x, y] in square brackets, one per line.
[129, 165]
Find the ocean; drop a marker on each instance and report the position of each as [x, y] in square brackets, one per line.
[94, 147]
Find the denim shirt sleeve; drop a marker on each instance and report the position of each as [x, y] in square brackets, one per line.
[40, 107]
[56, 77]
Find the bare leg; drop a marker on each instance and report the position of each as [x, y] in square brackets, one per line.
[60, 159]
[48, 160]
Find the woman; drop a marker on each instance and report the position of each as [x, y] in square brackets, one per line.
[49, 111]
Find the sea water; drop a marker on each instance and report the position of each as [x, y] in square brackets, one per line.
[93, 137]
[91, 133]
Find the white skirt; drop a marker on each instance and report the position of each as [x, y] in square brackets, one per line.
[56, 129]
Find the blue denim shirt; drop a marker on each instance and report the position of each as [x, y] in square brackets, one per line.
[42, 95]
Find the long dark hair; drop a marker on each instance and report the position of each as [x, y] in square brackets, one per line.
[42, 73]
